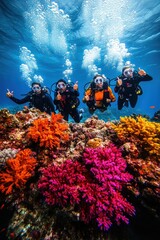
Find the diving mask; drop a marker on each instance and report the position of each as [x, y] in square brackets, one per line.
[36, 88]
[128, 72]
[61, 85]
[98, 80]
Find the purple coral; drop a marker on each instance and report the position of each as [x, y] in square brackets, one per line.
[94, 185]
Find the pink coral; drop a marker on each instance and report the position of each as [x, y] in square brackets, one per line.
[94, 185]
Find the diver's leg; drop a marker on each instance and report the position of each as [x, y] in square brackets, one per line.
[121, 102]
[75, 115]
[91, 106]
[133, 100]
[65, 115]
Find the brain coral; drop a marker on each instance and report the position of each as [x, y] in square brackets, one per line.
[49, 132]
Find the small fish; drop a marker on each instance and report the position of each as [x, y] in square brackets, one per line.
[152, 107]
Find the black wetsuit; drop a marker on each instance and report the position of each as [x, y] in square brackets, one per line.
[42, 101]
[130, 89]
[68, 103]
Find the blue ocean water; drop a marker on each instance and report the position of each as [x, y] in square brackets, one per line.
[44, 40]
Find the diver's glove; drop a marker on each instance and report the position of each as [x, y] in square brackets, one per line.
[141, 72]
[119, 82]
[9, 93]
[108, 100]
[75, 86]
[86, 98]
[58, 96]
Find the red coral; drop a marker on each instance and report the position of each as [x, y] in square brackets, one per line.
[49, 132]
[95, 186]
[18, 171]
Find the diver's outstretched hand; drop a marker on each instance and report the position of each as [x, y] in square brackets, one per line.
[9, 93]
[75, 86]
[141, 72]
[119, 82]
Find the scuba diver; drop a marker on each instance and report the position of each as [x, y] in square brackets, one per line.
[38, 97]
[67, 101]
[98, 95]
[127, 86]
[156, 117]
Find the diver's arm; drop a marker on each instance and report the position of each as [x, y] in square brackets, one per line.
[76, 93]
[118, 84]
[20, 101]
[87, 95]
[57, 97]
[111, 95]
[143, 76]
[50, 103]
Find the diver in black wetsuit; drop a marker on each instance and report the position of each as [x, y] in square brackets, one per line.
[128, 88]
[38, 98]
[67, 101]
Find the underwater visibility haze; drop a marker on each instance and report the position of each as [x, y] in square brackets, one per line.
[44, 40]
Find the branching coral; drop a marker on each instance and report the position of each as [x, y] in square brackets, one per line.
[140, 131]
[49, 132]
[17, 172]
[93, 185]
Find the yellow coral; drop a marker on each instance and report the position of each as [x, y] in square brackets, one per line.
[49, 132]
[142, 132]
[94, 142]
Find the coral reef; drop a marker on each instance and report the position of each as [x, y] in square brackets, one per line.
[141, 132]
[93, 185]
[139, 140]
[6, 154]
[7, 123]
[13, 127]
[17, 172]
[49, 132]
[89, 174]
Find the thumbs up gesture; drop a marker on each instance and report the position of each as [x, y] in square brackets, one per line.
[119, 82]
[75, 86]
[59, 96]
[141, 72]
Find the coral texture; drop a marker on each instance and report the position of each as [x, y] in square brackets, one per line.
[18, 171]
[8, 121]
[6, 154]
[141, 132]
[49, 133]
[94, 186]
[140, 143]
[84, 196]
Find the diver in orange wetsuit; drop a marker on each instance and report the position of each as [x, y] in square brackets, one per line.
[99, 95]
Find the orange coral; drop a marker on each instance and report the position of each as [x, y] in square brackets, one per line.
[17, 172]
[49, 132]
[142, 132]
